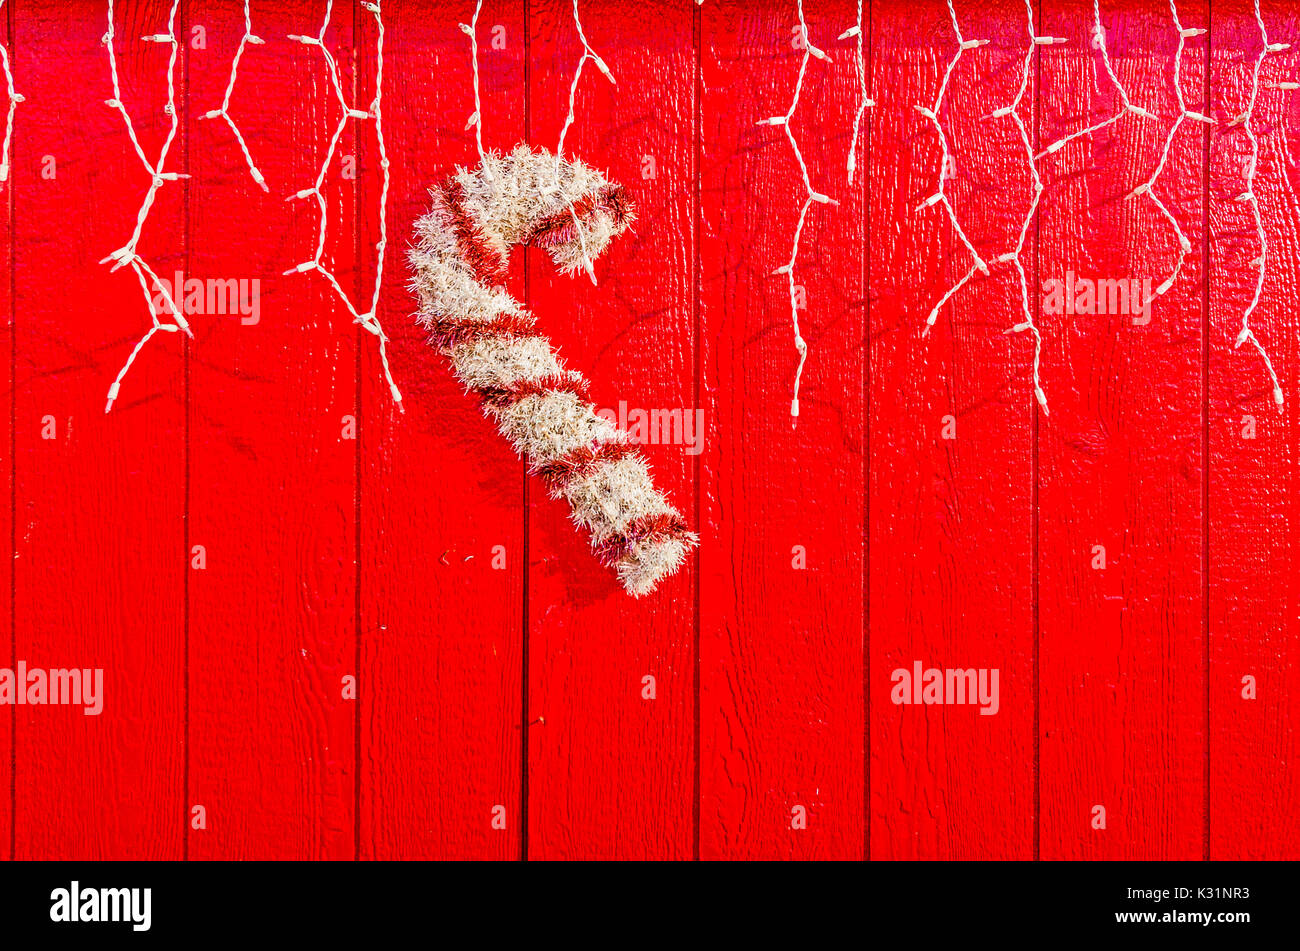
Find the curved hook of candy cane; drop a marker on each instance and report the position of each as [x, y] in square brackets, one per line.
[459, 261]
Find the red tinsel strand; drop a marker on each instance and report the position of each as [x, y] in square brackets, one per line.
[581, 462]
[558, 228]
[653, 527]
[447, 332]
[485, 263]
[500, 397]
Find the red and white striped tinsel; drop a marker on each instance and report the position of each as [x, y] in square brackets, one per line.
[460, 257]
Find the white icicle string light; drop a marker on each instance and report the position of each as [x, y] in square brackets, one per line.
[476, 120]
[368, 319]
[1260, 263]
[1014, 257]
[587, 54]
[13, 98]
[940, 196]
[126, 255]
[1126, 104]
[864, 102]
[1147, 188]
[801, 347]
[224, 111]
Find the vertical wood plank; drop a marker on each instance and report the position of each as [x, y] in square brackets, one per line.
[442, 544]
[951, 469]
[610, 770]
[100, 499]
[1254, 514]
[376, 557]
[8, 285]
[1121, 455]
[272, 474]
[781, 693]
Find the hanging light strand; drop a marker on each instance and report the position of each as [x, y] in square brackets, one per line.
[588, 54]
[1247, 334]
[476, 120]
[1126, 104]
[13, 98]
[864, 101]
[1147, 188]
[940, 197]
[224, 111]
[369, 319]
[126, 256]
[812, 195]
[1015, 256]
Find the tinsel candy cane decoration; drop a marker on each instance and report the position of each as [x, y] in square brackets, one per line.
[460, 260]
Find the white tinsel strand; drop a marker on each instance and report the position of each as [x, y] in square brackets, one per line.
[1248, 196]
[368, 319]
[460, 254]
[13, 98]
[126, 255]
[812, 195]
[224, 111]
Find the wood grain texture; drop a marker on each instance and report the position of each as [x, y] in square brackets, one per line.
[1121, 456]
[101, 504]
[951, 558]
[272, 621]
[781, 696]
[497, 664]
[610, 772]
[1252, 512]
[442, 521]
[7, 310]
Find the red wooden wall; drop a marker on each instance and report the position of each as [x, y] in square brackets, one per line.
[500, 672]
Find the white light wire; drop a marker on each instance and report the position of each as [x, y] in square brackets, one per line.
[126, 256]
[13, 98]
[224, 111]
[476, 120]
[368, 319]
[1248, 196]
[1013, 257]
[932, 114]
[1126, 104]
[587, 54]
[1147, 188]
[864, 101]
[801, 347]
